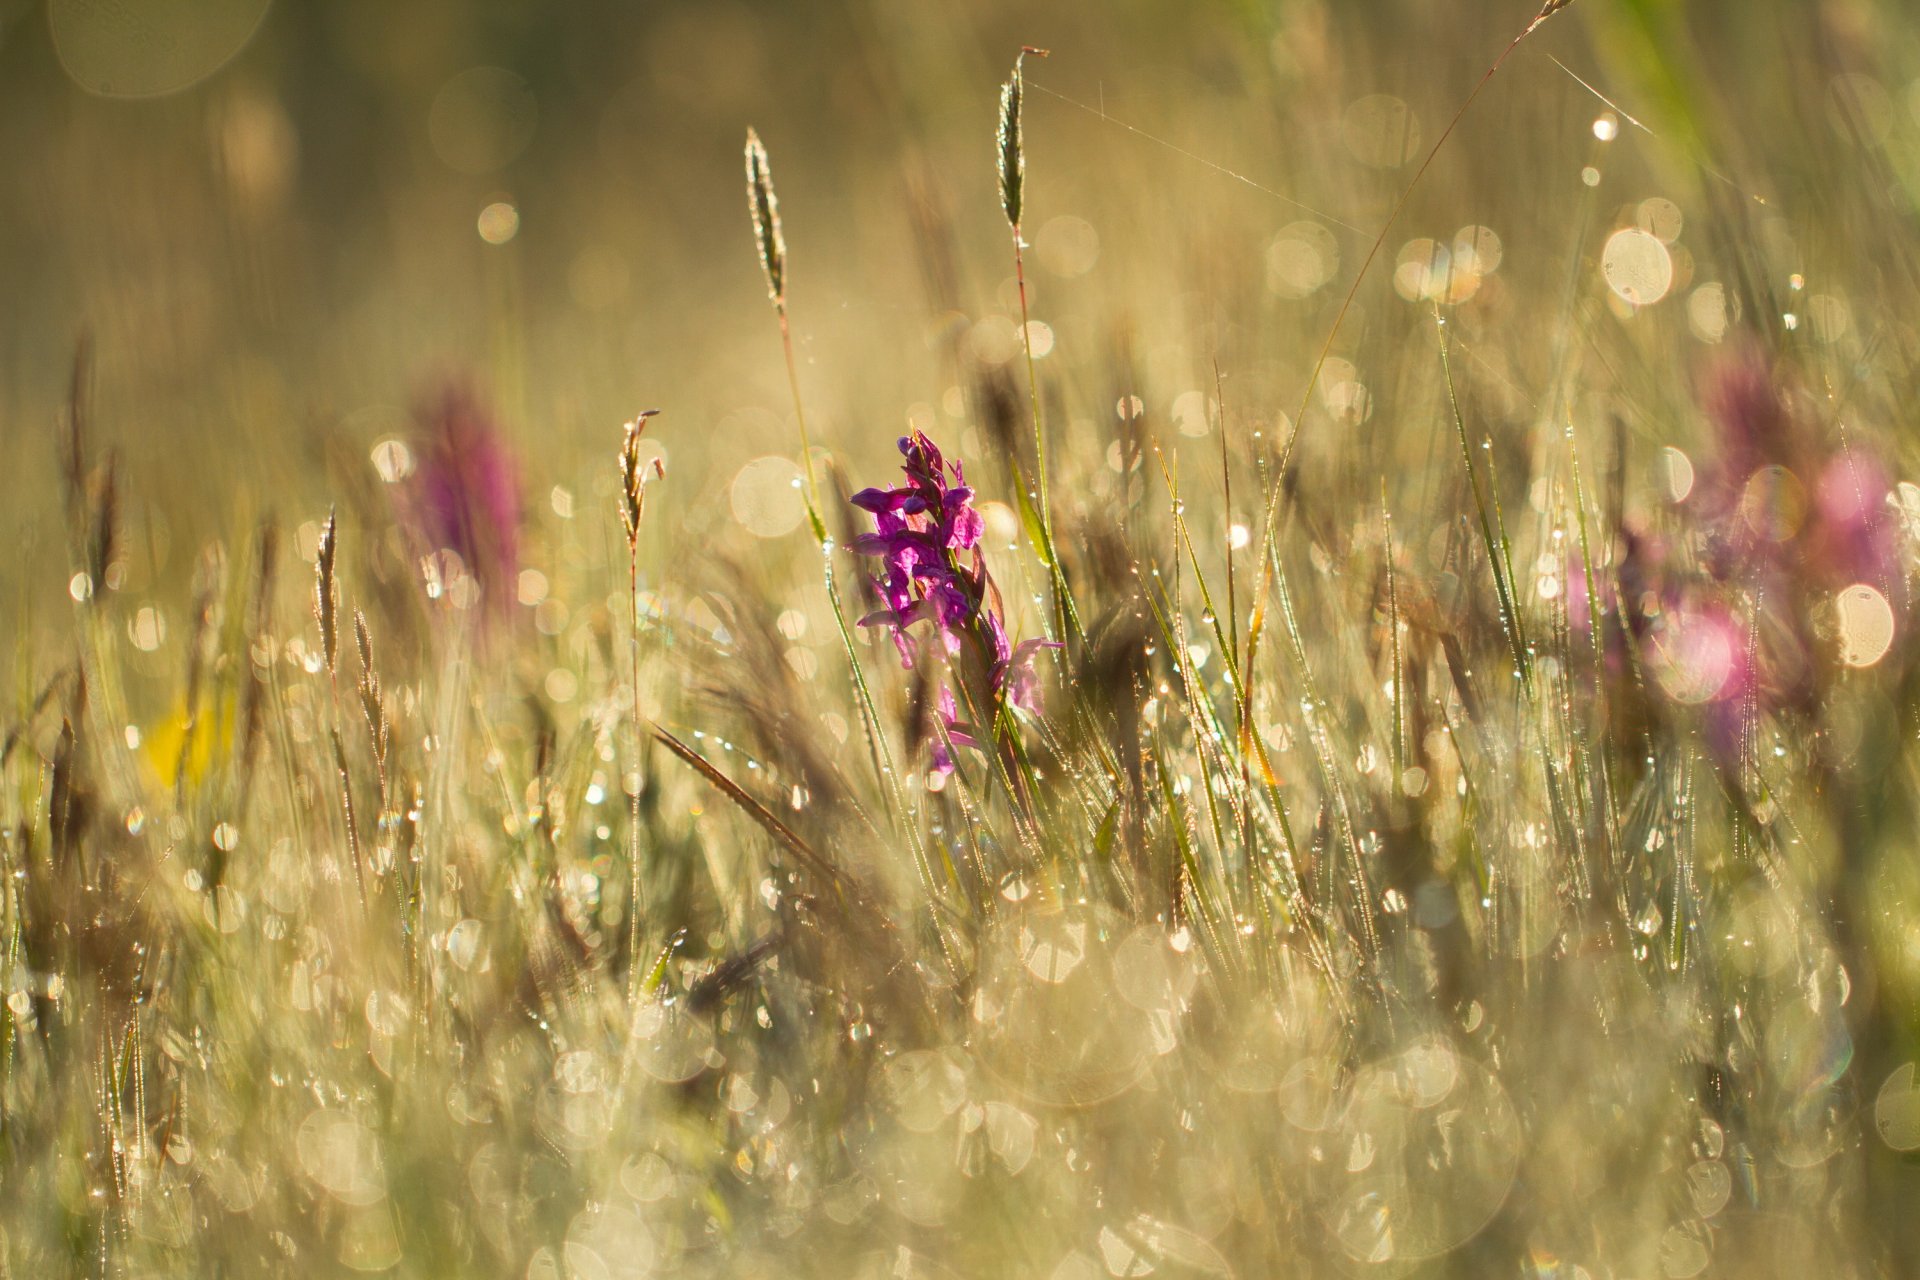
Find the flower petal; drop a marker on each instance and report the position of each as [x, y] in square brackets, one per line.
[878, 500]
[966, 529]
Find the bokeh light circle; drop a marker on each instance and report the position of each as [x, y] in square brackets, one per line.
[481, 120]
[151, 48]
[1637, 266]
[1067, 246]
[1896, 1109]
[1381, 131]
[1302, 257]
[1049, 1012]
[1865, 622]
[1421, 1159]
[766, 497]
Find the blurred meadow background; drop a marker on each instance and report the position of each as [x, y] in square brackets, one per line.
[1402, 774]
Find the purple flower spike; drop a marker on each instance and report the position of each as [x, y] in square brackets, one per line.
[465, 494]
[919, 529]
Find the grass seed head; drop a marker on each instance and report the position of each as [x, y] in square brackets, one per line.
[633, 480]
[372, 706]
[1013, 158]
[326, 596]
[765, 207]
[1547, 10]
[363, 641]
[1013, 163]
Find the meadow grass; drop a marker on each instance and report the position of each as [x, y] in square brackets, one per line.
[1439, 806]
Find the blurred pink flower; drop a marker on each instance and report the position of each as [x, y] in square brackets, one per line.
[1700, 654]
[1854, 537]
[1745, 403]
[464, 496]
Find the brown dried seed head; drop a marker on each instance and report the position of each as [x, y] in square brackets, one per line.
[371, 705]
[632, 496]
[633, 480]
[326, 595]
[1547, 10]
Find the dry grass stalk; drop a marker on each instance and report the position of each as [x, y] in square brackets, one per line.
[765, 207]
[633, 507]
[1013, 176]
